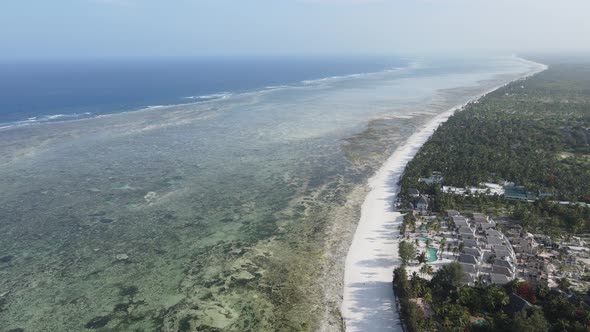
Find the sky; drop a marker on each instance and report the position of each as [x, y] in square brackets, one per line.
[107, 28]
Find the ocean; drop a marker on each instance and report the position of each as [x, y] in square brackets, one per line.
[231, 212]
[39, 91]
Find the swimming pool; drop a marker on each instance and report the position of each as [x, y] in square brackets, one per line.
[480, 322]
[432, 255]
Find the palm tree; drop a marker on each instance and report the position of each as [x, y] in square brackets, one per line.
[422, 258]
[442, 247]
[423, 269]
[564, 324]
[479, 282]
[505, 301]
[428, 299]
[426, 269]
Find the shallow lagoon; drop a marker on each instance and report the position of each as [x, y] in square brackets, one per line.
[212, 215]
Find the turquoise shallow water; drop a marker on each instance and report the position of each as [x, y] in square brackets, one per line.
[199, 216]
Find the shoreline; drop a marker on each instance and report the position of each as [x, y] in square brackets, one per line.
[368, 302]
[254, 208]
[192, 101]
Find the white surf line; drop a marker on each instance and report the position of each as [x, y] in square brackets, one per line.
[368, 302]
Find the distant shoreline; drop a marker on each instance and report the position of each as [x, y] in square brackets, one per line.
[367, 295]
[184, 98]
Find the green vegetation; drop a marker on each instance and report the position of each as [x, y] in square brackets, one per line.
[407, 251]
[534, 133]
[530, 323]
[451, 307]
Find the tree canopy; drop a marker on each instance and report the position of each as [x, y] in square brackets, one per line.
[407, 252]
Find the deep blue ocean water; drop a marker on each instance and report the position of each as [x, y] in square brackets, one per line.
[61, 90]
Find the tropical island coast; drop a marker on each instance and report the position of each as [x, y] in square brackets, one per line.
[368, 302]
[495, 210]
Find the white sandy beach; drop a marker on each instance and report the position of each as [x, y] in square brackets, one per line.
[368, 302]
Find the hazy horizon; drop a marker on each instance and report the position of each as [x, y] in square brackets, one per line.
[130, 28]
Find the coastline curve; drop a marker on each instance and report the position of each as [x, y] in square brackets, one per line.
[368, 302]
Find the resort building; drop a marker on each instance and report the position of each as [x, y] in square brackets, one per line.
[435, 178]
[452, 213]
[497, 257]
[460, 221]
[499, 279]
[517, 304]
[466, 233]
[505, 267]
[524, 245]
[475, 252]
[468, 259]
[486, 252]
[413, 192]
[483, 222]
[422, 205]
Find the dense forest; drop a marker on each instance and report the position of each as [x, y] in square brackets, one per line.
[533, 132]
